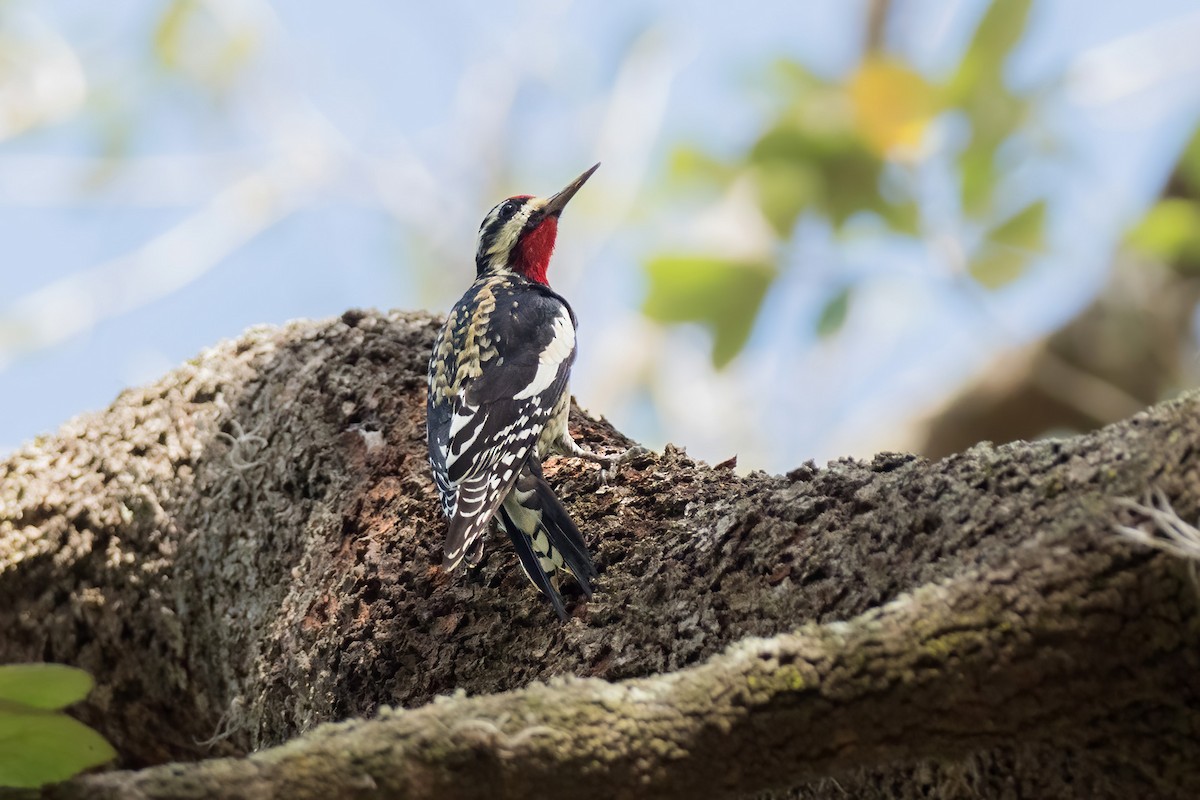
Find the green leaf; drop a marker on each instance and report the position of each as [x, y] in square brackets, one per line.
[833, 314]
[724, 295]
[903, 217]
[1024, 230]
[39, 747]
[788, 76]
[835, 175]
[997, 268]
[784, 192]
[851, 184]
[1166, 228]
[690, 165]
[1010, 246]
[995, 115]
[45, 686]
[1188, 168]
[977, 171]
[979, 92]
[998, 32]
[1170, 232]
[787, 163]
[1000, 29]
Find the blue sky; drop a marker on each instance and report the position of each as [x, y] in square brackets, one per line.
[393, 130]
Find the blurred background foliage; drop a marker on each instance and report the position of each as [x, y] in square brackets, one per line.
[827, 152]
[1134, 344]
[820, 229]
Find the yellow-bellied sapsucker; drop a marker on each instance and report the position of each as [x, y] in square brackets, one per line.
[498, 399]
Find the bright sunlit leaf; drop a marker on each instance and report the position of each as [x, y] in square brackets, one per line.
[893, 105]
[724, 295]
[39, 747]
[44, 686]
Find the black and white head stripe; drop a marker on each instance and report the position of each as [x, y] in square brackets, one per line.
[501, 229]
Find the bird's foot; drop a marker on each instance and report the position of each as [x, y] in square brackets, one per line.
[610, 464]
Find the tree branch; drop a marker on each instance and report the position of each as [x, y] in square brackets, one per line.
[249, 548]
[944, 672]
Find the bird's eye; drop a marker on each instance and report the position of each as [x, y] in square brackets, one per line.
[508, 209]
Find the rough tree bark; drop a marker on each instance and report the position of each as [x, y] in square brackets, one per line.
[249, 548]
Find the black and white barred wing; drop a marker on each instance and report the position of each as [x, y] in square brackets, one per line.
[496, 418]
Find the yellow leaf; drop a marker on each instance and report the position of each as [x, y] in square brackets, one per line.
[893, 105]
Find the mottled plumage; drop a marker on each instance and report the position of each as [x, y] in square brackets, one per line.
[498, 399]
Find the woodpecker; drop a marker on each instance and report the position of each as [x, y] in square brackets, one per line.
[498, 399]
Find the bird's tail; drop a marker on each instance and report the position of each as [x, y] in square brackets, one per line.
[544, 536]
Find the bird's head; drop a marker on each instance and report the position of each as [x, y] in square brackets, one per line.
[518, 235]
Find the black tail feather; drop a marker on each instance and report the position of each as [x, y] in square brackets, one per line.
[532, 564]
[563, 533]
[544, 536]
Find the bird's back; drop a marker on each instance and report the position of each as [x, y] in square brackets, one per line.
[499, 368]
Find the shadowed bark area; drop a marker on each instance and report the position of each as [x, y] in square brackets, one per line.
[250, 546]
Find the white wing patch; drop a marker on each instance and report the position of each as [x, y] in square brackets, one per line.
[463, 414]
[561, 345]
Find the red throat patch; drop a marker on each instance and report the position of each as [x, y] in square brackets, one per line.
[535, 248]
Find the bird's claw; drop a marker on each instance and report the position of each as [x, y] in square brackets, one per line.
[609, 464]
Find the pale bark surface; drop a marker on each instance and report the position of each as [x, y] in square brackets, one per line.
[250, 547]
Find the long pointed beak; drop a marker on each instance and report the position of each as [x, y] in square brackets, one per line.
[558, 202]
